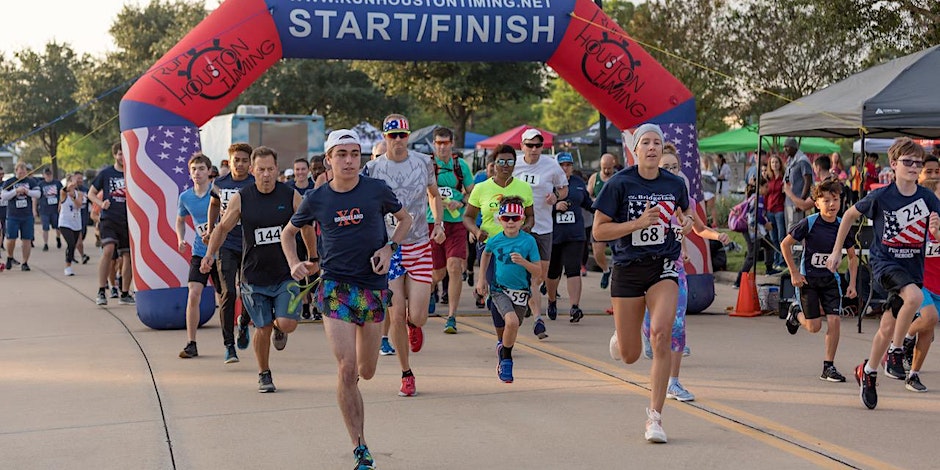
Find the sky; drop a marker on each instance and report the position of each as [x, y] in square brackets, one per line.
[81, 23]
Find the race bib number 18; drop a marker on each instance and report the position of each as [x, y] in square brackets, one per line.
[819, 260]
[652, 235]
[267, 235]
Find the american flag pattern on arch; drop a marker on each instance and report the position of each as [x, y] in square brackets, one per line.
[156, 172]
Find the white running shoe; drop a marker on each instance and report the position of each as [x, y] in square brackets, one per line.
[654, 427]
[615, 347]
[69, 272]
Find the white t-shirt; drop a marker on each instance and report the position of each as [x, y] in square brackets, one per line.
[544, 176]
[70, 215]
[409, 180]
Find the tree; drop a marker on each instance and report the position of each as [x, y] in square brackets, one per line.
[331, 88]
[459, 88]
[565, 110]
[79, 152]
[38, 90]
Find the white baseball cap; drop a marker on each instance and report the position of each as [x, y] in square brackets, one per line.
[341, 137]
[531, 134]
[288, 172]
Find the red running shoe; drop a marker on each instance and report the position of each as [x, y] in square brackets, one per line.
[408, 387]
[415, 337]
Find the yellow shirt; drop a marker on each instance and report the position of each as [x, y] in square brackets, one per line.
[487, 195]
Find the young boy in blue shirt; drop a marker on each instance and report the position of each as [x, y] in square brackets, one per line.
[516, 260]
[819, 292]
[902, 213]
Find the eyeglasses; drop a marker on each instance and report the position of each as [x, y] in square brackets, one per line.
[441, 142]
[913, 163]
[671, 168]
[510, 218]
[397, 135]
[502, 162]
[535, 145]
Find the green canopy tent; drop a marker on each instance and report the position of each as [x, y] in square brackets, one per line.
[745, 140]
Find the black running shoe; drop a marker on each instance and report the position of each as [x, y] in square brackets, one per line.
[830, 374]
[543, 289]
[793, 321]
[189, 351]
[114, 293]
[894, 367]
[478, 300]
[85, 259]
[866, 384]
[908, 346]
[265, 382]
[58, 243]
[24, 267]
[9, 263]
[45, 247]
[241, 332]
[470, 278]
[101, 299]
[576, 314]
[445, 298]
[552, 310]
[913, 384]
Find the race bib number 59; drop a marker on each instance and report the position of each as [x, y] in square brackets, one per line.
[518, 297]
[652, 235]
[267, 235]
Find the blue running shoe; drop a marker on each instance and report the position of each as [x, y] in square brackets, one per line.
[539, 329]
[242, 338]
[364, 460]
[505, 370]
[605, 279]
[647, 347]
[386, 349]
[499, 350]
[552, 310]
[432, 304]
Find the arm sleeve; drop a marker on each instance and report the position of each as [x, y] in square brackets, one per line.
[7, 194]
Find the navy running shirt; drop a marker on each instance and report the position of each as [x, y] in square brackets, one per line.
[568, 226]
[111, 187]
[21, 206]
[352, 226]
[302, 191]
[625, 197]
[900, 224]
[818, 238]
[49, 196]
[224, 188]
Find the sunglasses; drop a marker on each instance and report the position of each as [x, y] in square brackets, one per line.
[510, 162]
[397, 135]
[671, 168]
[535, 145]
[441, 142]
[913, 163]
[510, 218]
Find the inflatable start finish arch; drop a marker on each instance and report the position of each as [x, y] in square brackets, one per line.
[233, 46]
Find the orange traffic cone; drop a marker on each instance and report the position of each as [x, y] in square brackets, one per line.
[748, 304]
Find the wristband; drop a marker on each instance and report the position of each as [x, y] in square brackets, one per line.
[315, 259]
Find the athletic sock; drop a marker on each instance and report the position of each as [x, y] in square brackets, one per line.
[406, 373]
[894, 348]
[124, 293]
[868, 369]
[828, 364]
[672, 381]
[102, 290]
[909, 337]
[507, 352]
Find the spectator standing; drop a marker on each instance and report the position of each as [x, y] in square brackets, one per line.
[775, 203]
[799, 174]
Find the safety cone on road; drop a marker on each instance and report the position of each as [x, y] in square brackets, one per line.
[748, 304]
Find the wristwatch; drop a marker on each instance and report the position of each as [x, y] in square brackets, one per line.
[393, 245]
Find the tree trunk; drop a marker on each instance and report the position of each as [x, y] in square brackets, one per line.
[459, 117]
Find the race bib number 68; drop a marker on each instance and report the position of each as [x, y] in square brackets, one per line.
[652, 235]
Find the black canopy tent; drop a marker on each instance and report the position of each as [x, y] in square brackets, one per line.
[896, 98]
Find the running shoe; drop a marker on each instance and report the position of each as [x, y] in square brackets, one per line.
[25, 267]
[830, 374]
[654, 427]
[576, 314]
[279, 339]
[364, 460]
[478, 300]
[677, 392]
[9, 263]
[470, 278]
[114, 293]
[894, 368]
[408, 387]
[231, 356]
[908, 346]
[415, 337]
[68, 271]
[127, 299]
[504, 370]
[793, 319]
[58, 243]
[432, 304]
[686, 352]
[913, 383]
[605, 279]
[499, 350]
[583, 271]
[189, 351]
[445, 298]
[450, 327]
[609, 311]
[647, 347]
[866, 384]
[305, 312]
[615, 347]
[45, 247]
[242, 337]
[552, 309]
[386, 349]
[317, 316]
[266, 383]
[539, 329]
[101, 299]
[543, 289]
[85, 259]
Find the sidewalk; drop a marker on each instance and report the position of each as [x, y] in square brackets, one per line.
[79, 389]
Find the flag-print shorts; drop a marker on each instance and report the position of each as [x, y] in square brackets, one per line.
[414, 260]
[351, 303]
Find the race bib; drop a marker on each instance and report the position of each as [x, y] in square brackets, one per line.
[391, 221]
[518, 297]
[267, 235]
[652, 235]
[819, 260]
[912, 212]
[52, 200]
[531, 178]
[566, 217]
[21, 203]
[201, 229]
[446, 192]
[933, 250]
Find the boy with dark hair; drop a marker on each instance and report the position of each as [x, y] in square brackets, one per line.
[902, 213]
[819, 292]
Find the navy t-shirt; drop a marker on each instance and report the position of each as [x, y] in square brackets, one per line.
[49, 196]
[111, 187]
[302, 191]
[900, 224]
[21, 206]
[625, 197]
[568, 226]
[352, 227]
[818, 238]
[224, 188]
